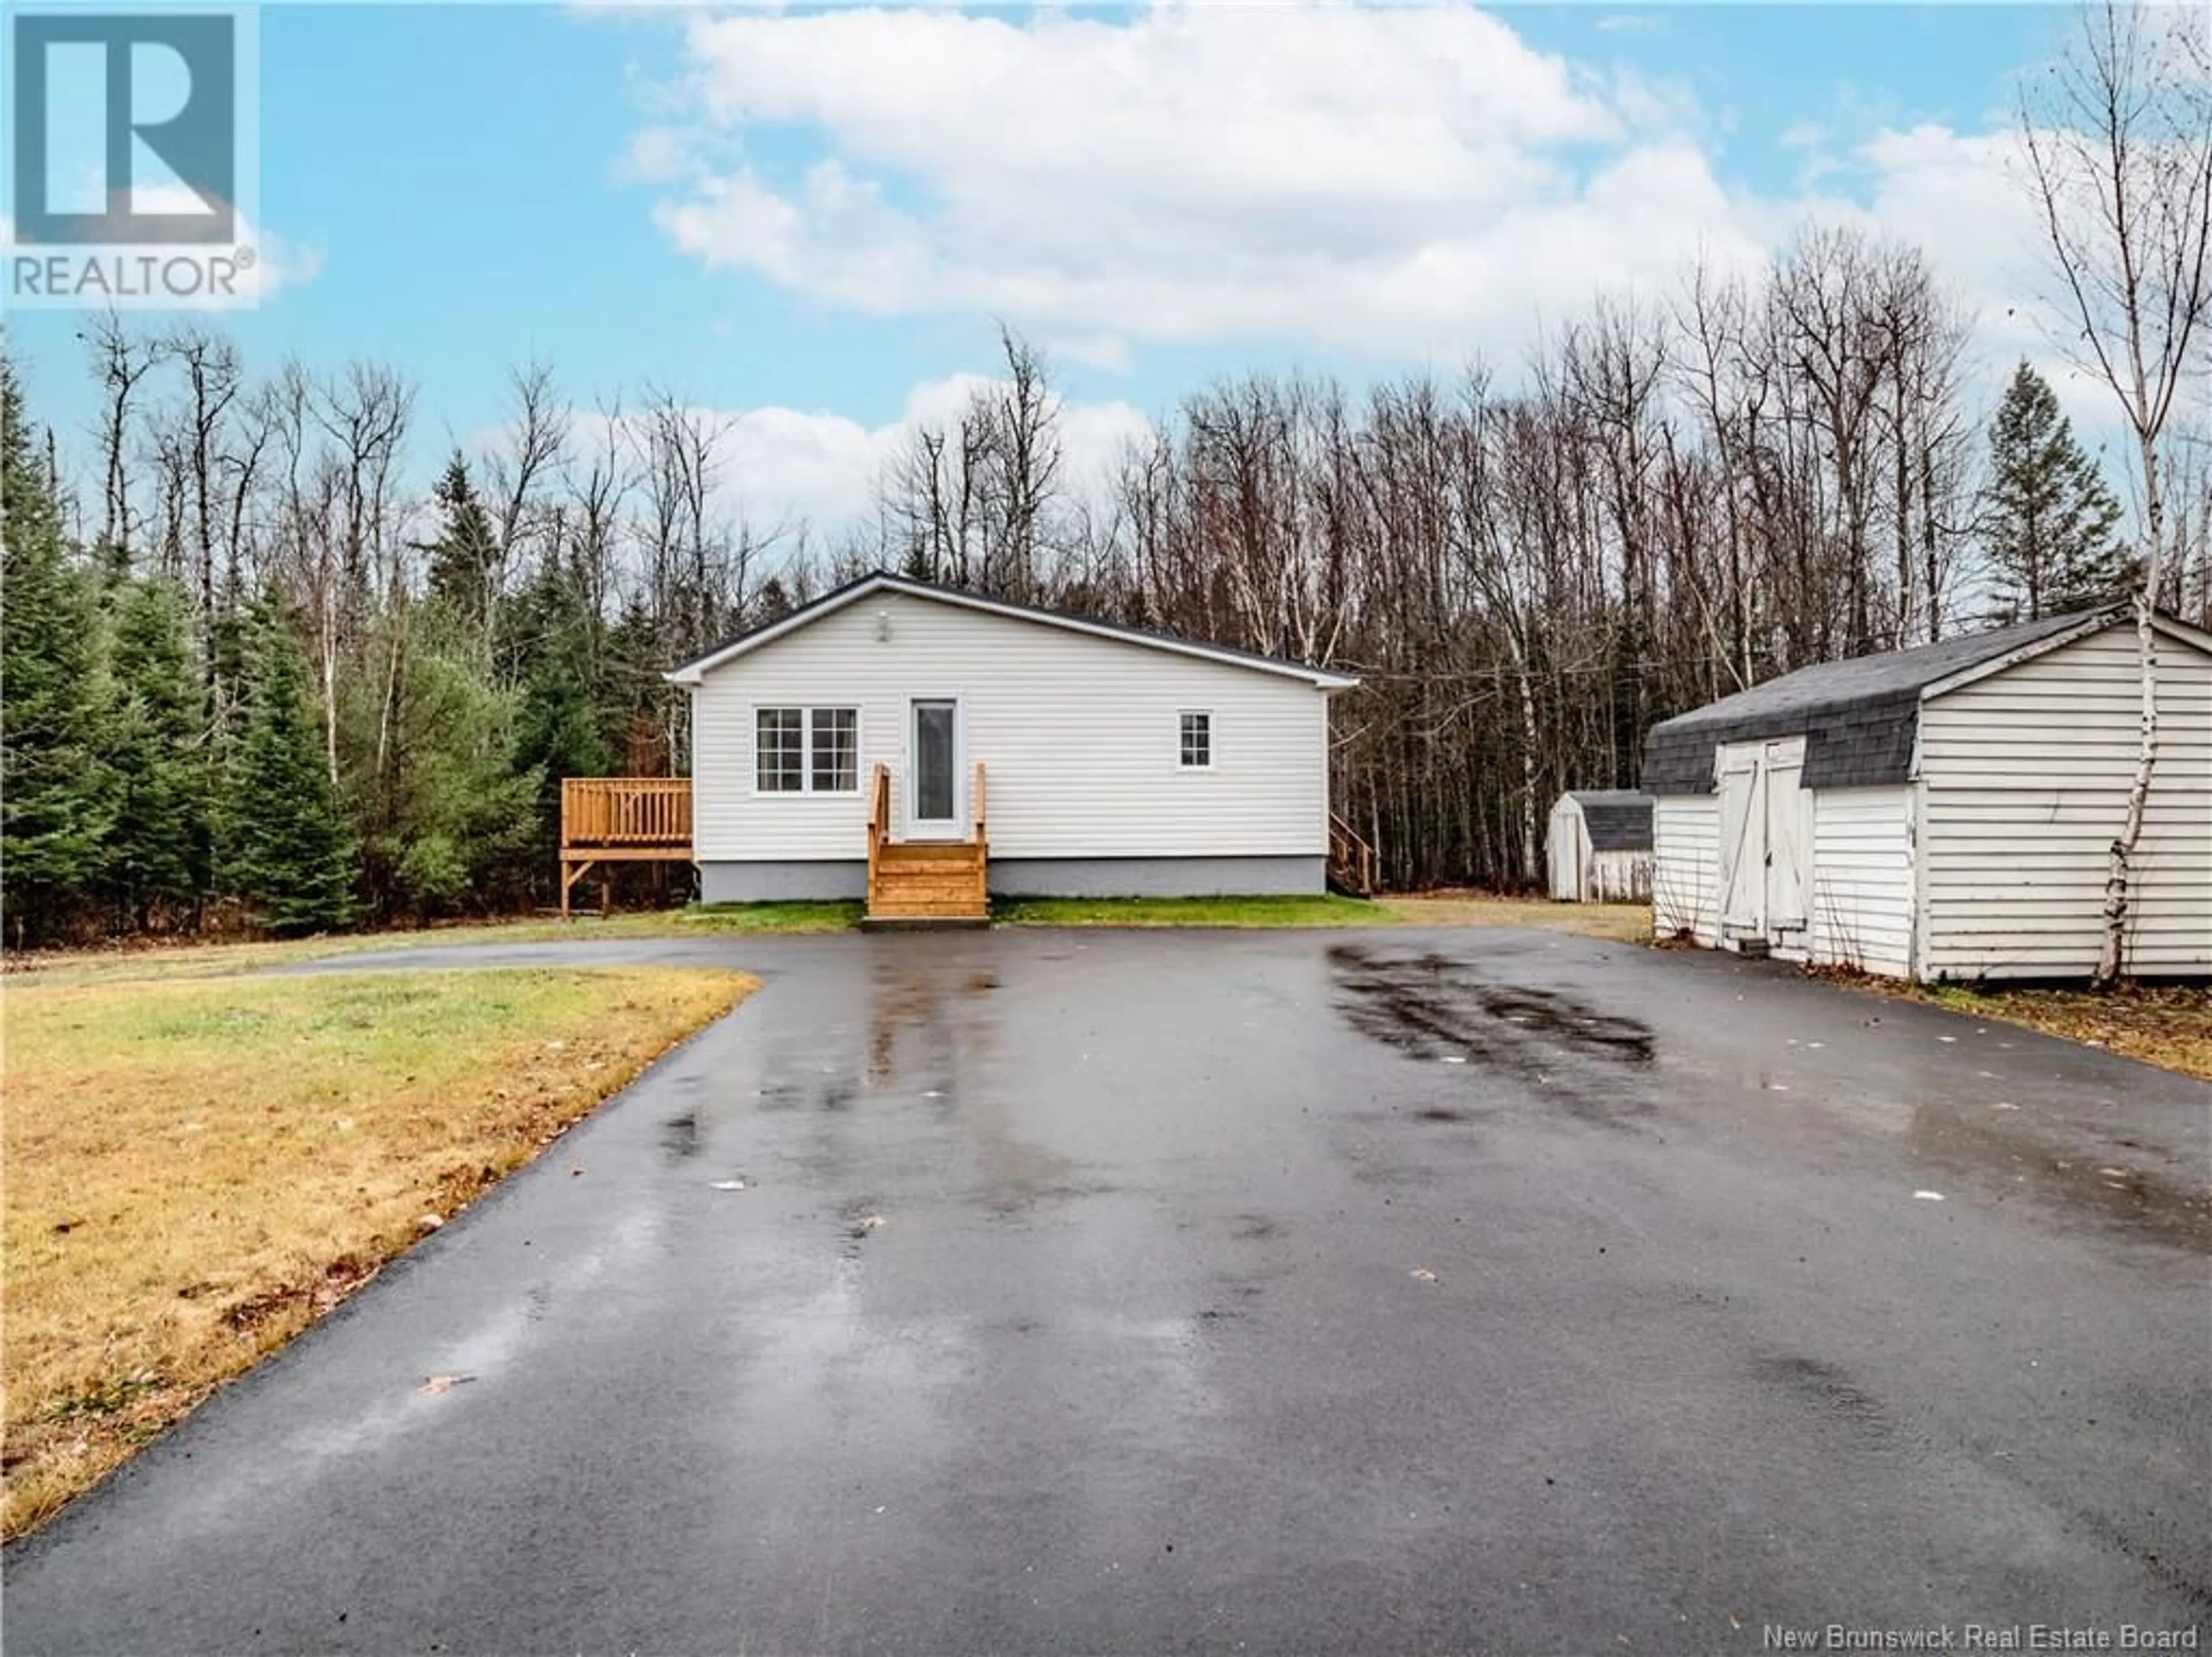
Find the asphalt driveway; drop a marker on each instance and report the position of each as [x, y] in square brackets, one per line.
[1281, 1292]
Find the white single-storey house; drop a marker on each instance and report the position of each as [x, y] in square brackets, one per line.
[1600, 847]
[1945, 812]
[1114, 761]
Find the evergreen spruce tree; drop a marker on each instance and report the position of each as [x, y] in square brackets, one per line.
[462, 557]
[291, 853]
[557, 734]
[2052, 518]
[57, 785]
[158, 848]
[772, 604]
[448, 818]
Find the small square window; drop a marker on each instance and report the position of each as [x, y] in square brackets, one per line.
[1197, 741]
[780, 750]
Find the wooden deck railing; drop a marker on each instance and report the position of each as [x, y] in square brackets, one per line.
[1350, 859]
[626, 811]
[981, 839]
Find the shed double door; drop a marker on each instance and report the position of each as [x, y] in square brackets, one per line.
[1766, 844]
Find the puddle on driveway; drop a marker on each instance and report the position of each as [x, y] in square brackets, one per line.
[679, 1135]
[2126, 1192]
[1431, 1006]
[1823, 1385]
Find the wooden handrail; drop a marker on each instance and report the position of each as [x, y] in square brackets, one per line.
[1352, 855]
[626, 811]
[879, 817]
[980, 838]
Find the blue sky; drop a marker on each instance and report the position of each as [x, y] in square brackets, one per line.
[825, 220]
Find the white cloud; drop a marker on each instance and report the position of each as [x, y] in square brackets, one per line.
[1417, 184]
[1350, 176]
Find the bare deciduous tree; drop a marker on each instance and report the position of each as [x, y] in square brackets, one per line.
[2119, 138]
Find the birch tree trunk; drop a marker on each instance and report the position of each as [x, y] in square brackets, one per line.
[2118, 140]
[2112, 959]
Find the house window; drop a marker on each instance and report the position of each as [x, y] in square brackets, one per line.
[1197, 741]
[807, 749]
[836, 767]
[781, 759]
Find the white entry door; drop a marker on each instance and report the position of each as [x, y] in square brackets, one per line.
[934, 746]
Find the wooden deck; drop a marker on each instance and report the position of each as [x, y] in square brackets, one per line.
[622, 820]
[925, 882]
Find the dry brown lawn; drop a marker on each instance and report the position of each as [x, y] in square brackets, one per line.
[2166, 1025]
[1624, 923]
[199, 1168]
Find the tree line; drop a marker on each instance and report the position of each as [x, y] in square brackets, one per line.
[251, 673]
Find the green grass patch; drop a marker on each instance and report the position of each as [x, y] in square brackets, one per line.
[1258, 911]
[768, 917]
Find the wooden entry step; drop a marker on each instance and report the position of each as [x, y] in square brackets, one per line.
[914, 883]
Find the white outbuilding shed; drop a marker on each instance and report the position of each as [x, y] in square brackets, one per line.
[1600, 847]
[1945, 812]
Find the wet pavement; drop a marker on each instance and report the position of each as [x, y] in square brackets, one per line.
[1462, 1291]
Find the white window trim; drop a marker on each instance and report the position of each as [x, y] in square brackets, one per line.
[807, 790]
[1213, 741]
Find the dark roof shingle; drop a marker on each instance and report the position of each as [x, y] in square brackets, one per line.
[1618, 819]
[1859, 717]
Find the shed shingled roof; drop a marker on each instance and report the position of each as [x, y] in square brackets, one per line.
[1859, 718]
[1618, 819]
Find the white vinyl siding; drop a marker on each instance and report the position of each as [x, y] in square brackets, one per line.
[1686, 867]
[1081, 737]
[2026, 775]
[1862, 890]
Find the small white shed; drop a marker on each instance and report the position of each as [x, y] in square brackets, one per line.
[1600, 847]
[1945, 812]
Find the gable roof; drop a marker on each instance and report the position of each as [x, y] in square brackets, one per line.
[1859, 717]
[1618, 819]
[882, 580]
